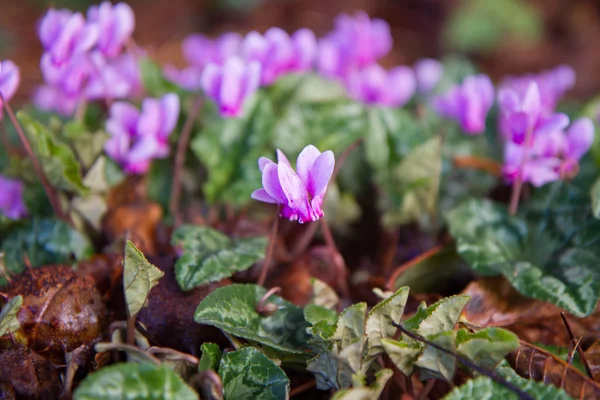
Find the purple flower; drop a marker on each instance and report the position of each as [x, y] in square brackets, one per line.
[64, 34]
[428, 72]
[10, 77]
[375, 85]
[300, 193]
[579, 139]
[11, 198]
[115, 25]
[188, 78]
[552, 85]
[139, 137]
[467, 103]
[112, 79]
[356, 42]
[278, 53]
[521, 112]
[51, 98]
[199, 50]
[230, 84]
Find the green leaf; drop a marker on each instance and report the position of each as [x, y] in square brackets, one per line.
[437, 318]
[154, 81]
[418, 177]
[381, 319]
[331, 371]
[209, 255]
[323, 294]
[8, 317]
[486, 347]
[134, 381]
[249, 374]
[45, 241]
[87, 145]
[372, 392]
[350, 326]
[404, 354]
[58, 161]
[139, 277]
[437, 364]
[596, 199]
[232, 309]
[211, 357]
[550, 255]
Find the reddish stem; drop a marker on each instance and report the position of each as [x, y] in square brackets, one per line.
[411, 263]
[182, 146]
[52, 195]
[338, 260]
[478, 163]
[518, 183]
[267, 262]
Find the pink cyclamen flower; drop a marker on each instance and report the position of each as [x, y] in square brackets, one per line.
[199, 50]
[10, 77]
[11, 198]
[299, 193]
[523, 112]
[51, 98]
[230, 84]
[467, 103]
[375, 85]
[64, 34]
[278, 53]
[188, 78]
[139, 137]
[115, 25]
[429, 73]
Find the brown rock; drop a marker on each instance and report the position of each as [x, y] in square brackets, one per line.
[25, 374]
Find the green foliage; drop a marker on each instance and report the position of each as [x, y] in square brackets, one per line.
[154, 81]
[211, 357]
[548, 253]
[249, 374]
[139, 277]
[8, 317]
[134, 381]
[209, 255]
[232, 309]
[482, 25]
[57, 159]
[363, 392]
[44, 241]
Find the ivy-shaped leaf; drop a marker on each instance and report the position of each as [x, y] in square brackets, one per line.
[381, 319]
[486, 347]
[57, 159]
[249, 374]
[139, 277]
[435, 363]
[437, 318]
[134, 381]
[232, 309]
[372, 392]
[404, 354]
[8, 317]
[551, 254]
[211, 357]
[209, 255]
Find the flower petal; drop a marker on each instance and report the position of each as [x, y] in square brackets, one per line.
[580, 137]
[270, 181]
[262, 195]
[262, 163]
[295, 191]
[321, 172]
[305, 161]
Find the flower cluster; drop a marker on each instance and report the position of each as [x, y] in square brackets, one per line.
[11, 198]
[9, 81]
[348, 54]
[136, 138]
[540, 146]
[84, 58]
[299, 193]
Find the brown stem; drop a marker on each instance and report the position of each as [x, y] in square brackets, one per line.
[52, 195]
[303, 387]
[518, 183]
[426, 389]
[267, 262]
[411, 263]
[342, 158]
[584, 361]
[80, 110]
[338, 260]
[478, 163]
[130, 335]
[182, 146]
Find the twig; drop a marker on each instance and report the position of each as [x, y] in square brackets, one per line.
[518, 183]
[411, 263]
[182, 146]
[190, 359]
[267, 309]
[342, 158]
[337, 258]
[212, 377]
[426, 389]
[584, 361]
[267, 262]
[482, 164]
[303, 387]
[130, 332]
[52, 195]
[468, 363]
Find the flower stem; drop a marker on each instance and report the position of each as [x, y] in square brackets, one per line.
[338, 260]
[52, 195]
[478, 163]
[182, 146]
[267, 262]
[518, 183]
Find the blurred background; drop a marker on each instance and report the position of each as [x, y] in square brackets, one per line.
[500, 36]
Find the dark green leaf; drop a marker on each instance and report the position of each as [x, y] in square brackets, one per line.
[437, 318]
[8, 317]
[381, 319]
[211, 357]
[139, 277]
[486, 347]
[372, 392]
[154, 81]
[209, 256]
[134, 381]
[249, 374]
